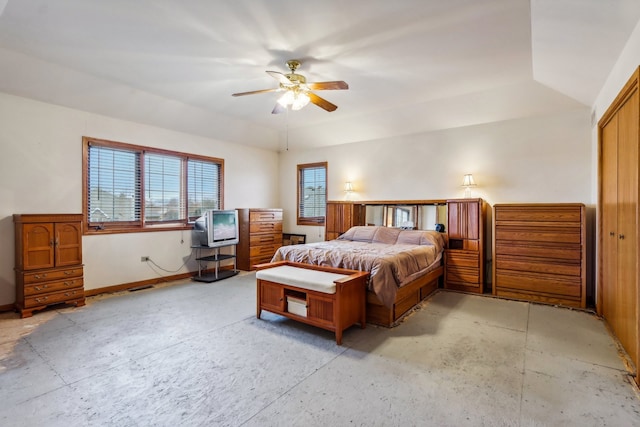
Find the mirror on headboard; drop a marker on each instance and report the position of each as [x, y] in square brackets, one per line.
[418, 216]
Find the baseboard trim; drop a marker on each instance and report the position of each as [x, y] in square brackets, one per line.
[132, 285]
[143, 283]
[7, 307]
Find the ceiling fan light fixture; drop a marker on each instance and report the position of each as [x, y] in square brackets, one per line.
[294, 99]
[286, 99]
[297, 92]
[300, 101]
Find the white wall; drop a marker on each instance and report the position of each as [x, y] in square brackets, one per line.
[540, 159]
[41, 172]
[627, 63]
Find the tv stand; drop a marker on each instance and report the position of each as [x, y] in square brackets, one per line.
[216, 258]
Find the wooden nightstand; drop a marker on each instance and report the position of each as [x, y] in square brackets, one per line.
[464, 258]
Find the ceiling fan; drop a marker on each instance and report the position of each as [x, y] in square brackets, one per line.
[297, 92]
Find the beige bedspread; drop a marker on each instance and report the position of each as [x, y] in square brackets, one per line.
[393, 257]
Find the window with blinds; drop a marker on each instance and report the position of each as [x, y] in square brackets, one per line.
[114, 185]
[203, 180]
[128, 187]
[312, 193]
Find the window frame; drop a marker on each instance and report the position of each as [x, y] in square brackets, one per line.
[143, 225]
[315, 220]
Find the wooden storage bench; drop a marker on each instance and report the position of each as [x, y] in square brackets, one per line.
[326, 297]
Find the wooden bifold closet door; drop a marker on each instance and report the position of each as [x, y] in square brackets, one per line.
[618, 276]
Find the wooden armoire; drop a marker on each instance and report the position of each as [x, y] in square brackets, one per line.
[618, 298]
[48, 261]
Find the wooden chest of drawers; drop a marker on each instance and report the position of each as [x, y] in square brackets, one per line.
[48, 261]
[540, 253]
[260, 236]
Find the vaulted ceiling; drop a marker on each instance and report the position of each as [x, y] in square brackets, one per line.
[412, 65]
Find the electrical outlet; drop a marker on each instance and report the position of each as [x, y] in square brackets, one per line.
[144, 259]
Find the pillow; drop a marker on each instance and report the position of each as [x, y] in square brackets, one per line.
[411, 237]
[359, 233]
[386, 235]
[422, 237]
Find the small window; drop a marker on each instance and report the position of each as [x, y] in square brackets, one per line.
[312, 193]
[133, 188]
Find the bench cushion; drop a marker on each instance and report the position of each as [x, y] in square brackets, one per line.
[314, 280]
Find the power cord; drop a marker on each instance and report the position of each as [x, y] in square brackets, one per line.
[153, 263]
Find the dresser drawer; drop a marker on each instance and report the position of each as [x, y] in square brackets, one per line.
[532, 234]
[463, 259]
[265, 239]
[54, 297]
[541, 283]
[49, 275]
[260, 216]
[562, 251]
[61, 285]
[462, 275]
[539, 214]
[265, 227]
[263, 250]
[538, 265]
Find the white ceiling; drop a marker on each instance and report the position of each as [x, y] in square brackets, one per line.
[412, 65]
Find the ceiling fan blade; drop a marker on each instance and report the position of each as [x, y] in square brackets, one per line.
[280, 77]
[337, 85]
[321, 102]
[253, 92]
[278, 109]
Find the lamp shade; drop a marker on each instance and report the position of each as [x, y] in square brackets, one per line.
[468, 181]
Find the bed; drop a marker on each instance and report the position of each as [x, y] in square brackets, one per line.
[405, 265]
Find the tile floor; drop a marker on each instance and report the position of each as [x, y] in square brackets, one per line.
[195, 354]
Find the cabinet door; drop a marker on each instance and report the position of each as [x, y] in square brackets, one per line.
[473, 221]
[320, 310]
[334, 217]
[334, 220]
[38, 243]
[271, 296]
[359, 215]
[464, 217]
[68, 243]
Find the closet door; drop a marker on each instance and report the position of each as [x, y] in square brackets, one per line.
[619, 267]
[609, 233]
[627, 253]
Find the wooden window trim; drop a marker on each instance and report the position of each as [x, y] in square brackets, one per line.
[318, 220]
[141, 225]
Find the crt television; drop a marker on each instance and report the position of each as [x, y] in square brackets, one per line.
[216, 228]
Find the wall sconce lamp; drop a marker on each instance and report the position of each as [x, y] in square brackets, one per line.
[348, 187]
[348, 190]
[467, 183]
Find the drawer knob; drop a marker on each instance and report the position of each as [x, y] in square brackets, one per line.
[611, 233]
[69, 272]
[43, 299]
[621, 236]
[69, 283]
[37, 276]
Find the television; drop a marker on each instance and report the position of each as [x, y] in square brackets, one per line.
[215, 228]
